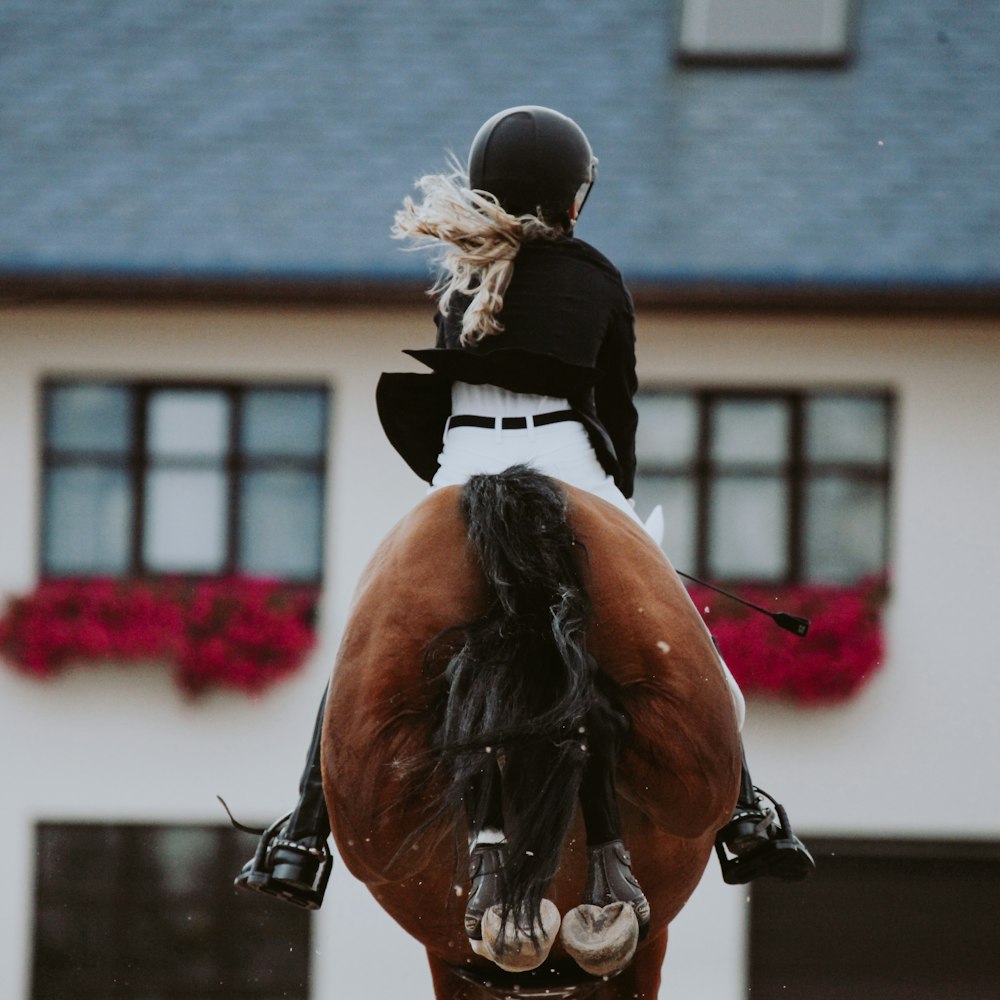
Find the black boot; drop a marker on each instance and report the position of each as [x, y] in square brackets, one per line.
[292, 860]
[486, 862]
[759, 841]
[294, 869]
[610, 880]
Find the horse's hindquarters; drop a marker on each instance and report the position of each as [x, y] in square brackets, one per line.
[679, 768]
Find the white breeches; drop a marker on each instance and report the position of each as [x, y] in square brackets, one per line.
[560, 450]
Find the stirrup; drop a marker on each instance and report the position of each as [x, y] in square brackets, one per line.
[287, 869]
[610, 880]
[759, 841]
[486, 862]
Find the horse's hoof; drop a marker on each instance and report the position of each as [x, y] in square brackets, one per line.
[510, 946]
[481, 948]
[601, 939]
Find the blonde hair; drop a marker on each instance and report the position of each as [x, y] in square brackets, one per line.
[477, 240]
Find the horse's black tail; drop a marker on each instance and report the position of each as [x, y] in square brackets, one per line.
[524, 696]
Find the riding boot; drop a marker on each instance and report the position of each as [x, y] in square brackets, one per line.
[759, 841]
[609, 864]
[292, 860]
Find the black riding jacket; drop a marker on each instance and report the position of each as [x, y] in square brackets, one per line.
[568, 331]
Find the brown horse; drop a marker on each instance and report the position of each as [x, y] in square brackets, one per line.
[678, 770]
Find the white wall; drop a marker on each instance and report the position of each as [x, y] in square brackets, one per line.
[911, 755]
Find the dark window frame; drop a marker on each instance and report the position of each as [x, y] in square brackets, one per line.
[795, 471]
[137, 460]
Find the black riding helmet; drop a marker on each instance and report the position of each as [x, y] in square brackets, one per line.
[534, 161]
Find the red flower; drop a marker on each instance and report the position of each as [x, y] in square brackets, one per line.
[246, 633]
[238, 632]
[843, 649]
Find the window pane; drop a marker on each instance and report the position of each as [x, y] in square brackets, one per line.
[845, 529]
[748, 528]
[89, 418]
[82, 856]
[284, 422]
[280, 524]
[676, 494]
[750, 430]
[188, 423]
[88, 513]
[181, 859]
[668, 428]
[846, 428]
[741, 29]
[185, 529]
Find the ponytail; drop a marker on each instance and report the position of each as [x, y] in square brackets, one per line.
[478, 242]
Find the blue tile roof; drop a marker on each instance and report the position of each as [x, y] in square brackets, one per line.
[251, 138]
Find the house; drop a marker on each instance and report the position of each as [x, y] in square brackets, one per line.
[198, 291]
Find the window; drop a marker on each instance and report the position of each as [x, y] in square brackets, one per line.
[150, 911]
[764, 31]
[183, 479]
[775, 487]
[897, 920]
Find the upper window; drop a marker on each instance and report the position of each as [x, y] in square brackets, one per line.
[776, 487]
[764, 31]
[183, 479]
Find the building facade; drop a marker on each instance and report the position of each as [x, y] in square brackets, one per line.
[907, 758]
[197, 295]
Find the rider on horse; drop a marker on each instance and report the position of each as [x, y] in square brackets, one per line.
[534, 363]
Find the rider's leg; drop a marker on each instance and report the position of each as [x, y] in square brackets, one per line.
[292, 860]
[758, 840]
[487, 845]
[609, 865]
